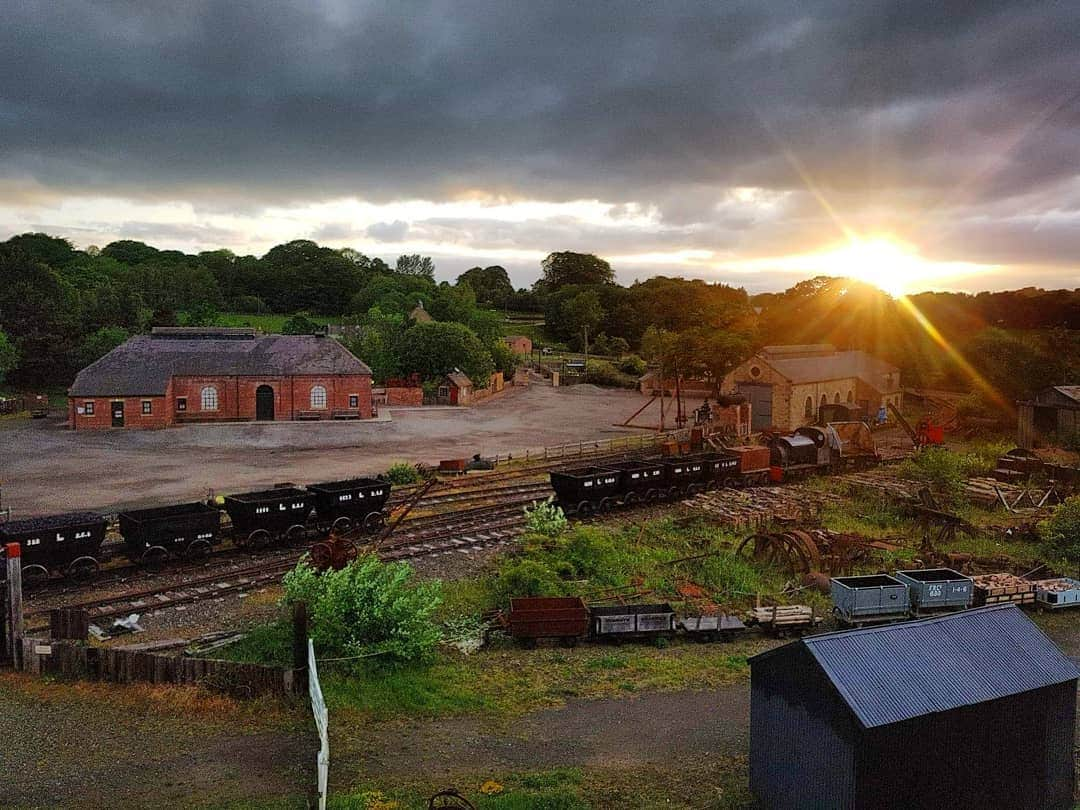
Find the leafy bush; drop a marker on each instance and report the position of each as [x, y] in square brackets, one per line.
[528, 578]
[1061, 531]
[299, 324]
[944, 471]
[369, 608]
[546, 518]
[632, 365]
[402, 473]
[601, 372]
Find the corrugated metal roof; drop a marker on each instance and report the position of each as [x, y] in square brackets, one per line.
[143, 365]
[901, 671]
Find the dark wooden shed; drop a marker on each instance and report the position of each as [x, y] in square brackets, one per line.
[1052, 416]
[971, 710]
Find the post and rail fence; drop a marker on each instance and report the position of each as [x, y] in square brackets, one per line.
[584, 449]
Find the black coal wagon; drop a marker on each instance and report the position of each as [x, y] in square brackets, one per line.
[641, 480]
[684, 476]
[343, 505]
[719, 469]
[259, 518]
[68, 543]
[587, 489]
[184, 529]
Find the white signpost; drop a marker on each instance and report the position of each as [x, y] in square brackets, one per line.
[318, 708]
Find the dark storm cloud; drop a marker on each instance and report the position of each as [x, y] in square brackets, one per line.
[657, 104]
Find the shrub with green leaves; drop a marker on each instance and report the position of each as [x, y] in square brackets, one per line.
[370, 609]
[1061, 531]
[402, 473]
[546, 518]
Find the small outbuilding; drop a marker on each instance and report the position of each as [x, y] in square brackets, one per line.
[456, 389]
[519, 344]
[975, 709]
[1052, 416]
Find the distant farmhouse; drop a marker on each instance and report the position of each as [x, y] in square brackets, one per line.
[519, 344]
[1052, 416]
[787, 385]
[180, 375]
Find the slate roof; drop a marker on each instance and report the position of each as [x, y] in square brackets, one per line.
[902, 671]
[835, 366]
[1070, 391]
[143, 365]
[460, 379]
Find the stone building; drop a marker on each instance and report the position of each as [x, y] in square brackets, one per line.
[786, 385]
[181, 375]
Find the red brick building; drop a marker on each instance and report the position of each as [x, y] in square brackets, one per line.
[176, 376]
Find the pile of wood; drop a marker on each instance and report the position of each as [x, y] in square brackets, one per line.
[784, 618]
[760, 506]
[993, 589]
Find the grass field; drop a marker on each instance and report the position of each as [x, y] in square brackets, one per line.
[270, 323]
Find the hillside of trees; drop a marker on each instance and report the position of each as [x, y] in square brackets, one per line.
[61, 308]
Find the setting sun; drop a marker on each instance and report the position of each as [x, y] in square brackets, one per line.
[889, 265]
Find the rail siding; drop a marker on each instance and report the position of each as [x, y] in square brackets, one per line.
[70, 659]
[584, 449]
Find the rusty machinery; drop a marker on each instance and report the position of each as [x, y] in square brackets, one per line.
[805, 552]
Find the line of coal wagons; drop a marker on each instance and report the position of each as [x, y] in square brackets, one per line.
[70, 544]
[831, 448]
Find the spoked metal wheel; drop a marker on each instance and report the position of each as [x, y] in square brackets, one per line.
[198, 550]
[154, 558]
[584, 509]
[34, 576]
[296, 536]
[83, 569]
[606, 505]
[343, 525]
[258, 540]
[374, 521]
[321, 556]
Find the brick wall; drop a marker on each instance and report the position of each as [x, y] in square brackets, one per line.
[236, 401]
[410, 397]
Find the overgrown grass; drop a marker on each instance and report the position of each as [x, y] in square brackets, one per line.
[555, 789]
[268, 322]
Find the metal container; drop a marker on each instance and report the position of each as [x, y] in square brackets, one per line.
[683, 473]
[710, 628]
[629, 621]
[172, 528]
[54, 541]
[587, 484]
[876, 597]
[535, 617]
[271, 510]
[355, 498]
[937, 589]
[752, 458]
[640, 478]
[793, 451]
[1058, 593]
[718, 468]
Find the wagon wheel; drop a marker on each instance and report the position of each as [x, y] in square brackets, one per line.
[34, 576]
[584, 509]
[630, 499]
[347, 550]
[606, 504]
[258, 540]
[449, 800]
[343, 525]
[673, 493]
[650, 495]
[296, 536]
[83, 569]
[374, 521]
[154, 558]
[198, 550]
[321, 556]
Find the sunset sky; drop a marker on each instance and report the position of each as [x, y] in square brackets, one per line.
[915, 144]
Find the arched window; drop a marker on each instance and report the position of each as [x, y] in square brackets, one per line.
[836, 398]
[850, 396]
[209, 398]
[824, 402]
[808, 409]
[318, 397]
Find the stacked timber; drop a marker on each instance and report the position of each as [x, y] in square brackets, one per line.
[995, 589]
[758, 507]
[784, 618]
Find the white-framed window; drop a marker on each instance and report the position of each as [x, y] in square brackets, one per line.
[147, 407]
[354, 400]
[318, 397]
[88, 408]
[181, 403]
[209, 398]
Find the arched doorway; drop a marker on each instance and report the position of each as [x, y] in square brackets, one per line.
[264, 403]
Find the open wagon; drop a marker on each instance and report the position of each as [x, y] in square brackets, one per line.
[67, 543]
[684, 476]
[184, 529]
[618, 622]
[535, 617]
[723, 627]
[720, 469]
[869, 599]
[258, 518]
[641, 481]
[937, 589]
[587, 489]
[344, 505]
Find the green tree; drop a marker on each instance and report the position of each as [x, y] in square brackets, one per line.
[9, 356]
[491, 285]
[566, 268]
[373, 337]
[436, 348]
[53, 251]
[413, 264]
[98, 344]
[304, 276]
[300, 324]
[130, 252]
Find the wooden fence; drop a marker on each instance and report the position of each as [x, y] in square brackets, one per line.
[584, 449]
[72, 659]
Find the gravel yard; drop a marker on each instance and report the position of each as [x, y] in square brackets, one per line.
[46, 468]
